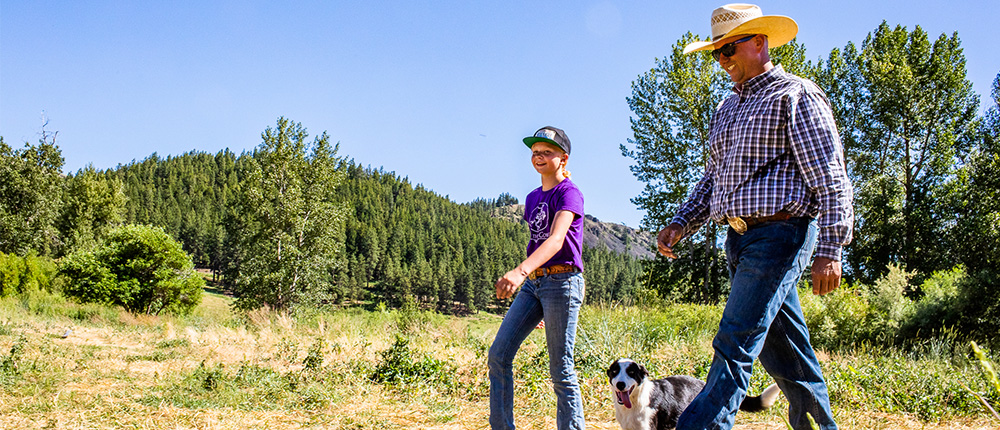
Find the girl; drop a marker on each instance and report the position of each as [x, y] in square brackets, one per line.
[552, 291]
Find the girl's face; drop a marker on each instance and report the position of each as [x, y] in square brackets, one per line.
[548, 159]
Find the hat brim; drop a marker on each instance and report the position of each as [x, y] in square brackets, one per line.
[778, 29]
[533, 140]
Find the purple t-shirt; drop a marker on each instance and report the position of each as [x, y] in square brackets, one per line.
[540, 209]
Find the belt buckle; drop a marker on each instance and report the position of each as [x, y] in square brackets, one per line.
[534, 273]
[737, 224]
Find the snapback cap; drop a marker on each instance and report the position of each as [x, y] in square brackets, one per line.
[550, 135]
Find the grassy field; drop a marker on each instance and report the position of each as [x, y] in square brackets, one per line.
[64, 365]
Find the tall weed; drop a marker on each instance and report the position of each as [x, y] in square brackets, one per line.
[991, 377]
[25, 274]
[10, 365]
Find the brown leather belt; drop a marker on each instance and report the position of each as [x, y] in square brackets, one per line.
[552, 270]
[740, 225]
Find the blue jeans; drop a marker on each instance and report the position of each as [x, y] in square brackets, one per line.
[763, 319]
[557, 299]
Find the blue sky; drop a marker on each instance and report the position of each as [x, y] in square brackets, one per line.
[440, 92]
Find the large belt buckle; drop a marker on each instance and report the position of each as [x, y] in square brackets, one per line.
[737, 224]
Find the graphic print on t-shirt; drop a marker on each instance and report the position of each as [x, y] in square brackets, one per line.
[538, 222]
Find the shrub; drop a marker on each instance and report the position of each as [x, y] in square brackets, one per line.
[839, 319]
[980, 307]
[938, 309]
[20, 275]
[139, 268]
[889, 302]
[882, 314]
[403, 367]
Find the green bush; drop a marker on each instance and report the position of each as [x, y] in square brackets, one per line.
[139, 268]
[403, 367]
[884, 314]
[841, 319]
[980, 306]
[938, 309]
[860, 315]
[20, 275]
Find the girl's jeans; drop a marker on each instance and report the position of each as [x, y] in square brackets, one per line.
[557, 299]
[763, 319]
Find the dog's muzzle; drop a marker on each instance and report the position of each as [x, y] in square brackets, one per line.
[623, 397]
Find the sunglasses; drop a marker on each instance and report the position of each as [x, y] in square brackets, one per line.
[730, 48]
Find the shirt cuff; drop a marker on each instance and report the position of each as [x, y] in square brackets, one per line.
[831, 250]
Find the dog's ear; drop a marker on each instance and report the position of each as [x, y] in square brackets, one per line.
[637, 371]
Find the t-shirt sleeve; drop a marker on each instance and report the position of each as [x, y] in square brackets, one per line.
[529, 202]
[572, 200]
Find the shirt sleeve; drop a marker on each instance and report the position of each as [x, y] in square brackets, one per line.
[819, 153]
[572, 200]
[694, 212]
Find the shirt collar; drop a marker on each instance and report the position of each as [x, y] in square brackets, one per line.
[762, 80]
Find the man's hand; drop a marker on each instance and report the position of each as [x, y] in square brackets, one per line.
[667, 238]
[825, 275]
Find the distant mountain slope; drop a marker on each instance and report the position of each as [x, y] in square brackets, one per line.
[615, 237]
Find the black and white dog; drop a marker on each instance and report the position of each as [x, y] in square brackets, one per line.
[647, 404]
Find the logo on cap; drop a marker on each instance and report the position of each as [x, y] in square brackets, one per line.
[546, 133]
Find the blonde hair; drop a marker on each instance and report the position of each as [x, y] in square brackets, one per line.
[565, 171]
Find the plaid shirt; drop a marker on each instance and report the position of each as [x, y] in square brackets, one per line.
[774, 146]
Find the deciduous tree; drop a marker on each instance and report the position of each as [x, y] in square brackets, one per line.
[908, 115]
[30, 191]
[285, 222]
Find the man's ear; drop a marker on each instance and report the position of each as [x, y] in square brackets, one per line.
[760, 41]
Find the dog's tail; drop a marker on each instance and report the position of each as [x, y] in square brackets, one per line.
[759, 403]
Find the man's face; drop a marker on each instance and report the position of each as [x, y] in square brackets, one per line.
[745, 62]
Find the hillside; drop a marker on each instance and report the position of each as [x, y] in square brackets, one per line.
[400, 241]
[617, 238]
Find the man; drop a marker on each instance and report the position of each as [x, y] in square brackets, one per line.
[776, 175]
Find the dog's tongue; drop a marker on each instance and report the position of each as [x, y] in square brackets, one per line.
[623, 398]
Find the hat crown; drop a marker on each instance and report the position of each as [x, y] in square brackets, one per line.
[742, 19]
[551, 135]
[730, 16]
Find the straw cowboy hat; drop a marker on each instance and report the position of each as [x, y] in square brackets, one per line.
[739, 18]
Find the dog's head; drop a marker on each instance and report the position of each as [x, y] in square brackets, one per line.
[624, 375]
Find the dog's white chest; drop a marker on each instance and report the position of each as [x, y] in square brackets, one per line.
[635, 418]
[640, 415]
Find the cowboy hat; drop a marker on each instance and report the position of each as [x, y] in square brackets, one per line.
[739, 18]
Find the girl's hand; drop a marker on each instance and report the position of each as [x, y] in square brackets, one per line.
[509, 283]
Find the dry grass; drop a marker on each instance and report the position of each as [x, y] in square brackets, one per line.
[122, 371]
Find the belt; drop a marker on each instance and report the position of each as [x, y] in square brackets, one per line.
[740, 225]
[552, 270]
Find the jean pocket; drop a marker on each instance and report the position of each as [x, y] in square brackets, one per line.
[569, 285]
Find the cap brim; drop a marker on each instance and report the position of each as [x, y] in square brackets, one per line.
[778, 29]
[533, 140]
